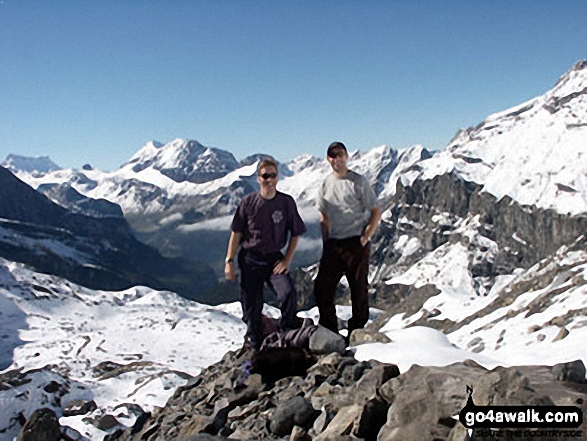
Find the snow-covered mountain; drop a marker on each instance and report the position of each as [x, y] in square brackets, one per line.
[183, 160]
[16, 163]
[534, 153]
[492, 221]
[179, 196]
[96, 251]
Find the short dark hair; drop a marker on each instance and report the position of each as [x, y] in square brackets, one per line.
[267, 162]
[335, 148]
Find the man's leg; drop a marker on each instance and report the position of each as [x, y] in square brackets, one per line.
[356, 259]
[251, 296]
[283, 286]
[329, 274]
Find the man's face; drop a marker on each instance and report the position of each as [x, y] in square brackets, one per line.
[338, 162]
[267, 178]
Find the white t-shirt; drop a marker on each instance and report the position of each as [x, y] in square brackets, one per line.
[346, 200]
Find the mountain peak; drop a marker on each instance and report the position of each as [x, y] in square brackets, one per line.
[577, 74]
[580, 65]
[184, 160]
[533, 152]
[40, 164]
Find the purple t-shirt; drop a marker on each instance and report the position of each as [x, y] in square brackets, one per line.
[267, 223]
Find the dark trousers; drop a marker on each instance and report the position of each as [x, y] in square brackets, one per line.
[349, 258]
[256, 270]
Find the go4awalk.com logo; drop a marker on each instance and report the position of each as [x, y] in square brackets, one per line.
[523, 421]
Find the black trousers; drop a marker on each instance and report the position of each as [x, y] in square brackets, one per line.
[349, 258]
[256, 270]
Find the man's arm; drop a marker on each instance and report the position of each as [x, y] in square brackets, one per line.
[229, 266]
[324, 225]
[282, 267]
[371, 226]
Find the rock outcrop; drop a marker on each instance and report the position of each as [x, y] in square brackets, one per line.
[501, 237]
[343, 398]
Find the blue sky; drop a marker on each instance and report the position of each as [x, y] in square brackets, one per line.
[92, 81]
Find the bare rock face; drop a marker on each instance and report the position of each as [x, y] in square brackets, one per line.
[118, 259]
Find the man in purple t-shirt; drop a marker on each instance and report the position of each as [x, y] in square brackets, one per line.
[264, 223]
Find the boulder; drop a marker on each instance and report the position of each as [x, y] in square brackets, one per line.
[572, 371]
[296, 411]
[79, 407]
[371, 419]
[324, 341]
[43, 425]
[341, 425]
[362, 336]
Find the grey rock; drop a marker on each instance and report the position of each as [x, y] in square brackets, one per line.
[79, 407]
[424, 399]
[141, 416]
[221, 409]
[324, 394]
[341, 425]
[295, 412]
[324, 341]
[299, 434]
[43, 425]
[362, 336]
[503, 385]
[562, 333]
[105, 422]
[369, 385]
[323, 420]
[572, 371]
[352, 373]
[70, 434]
[371, 419]
[52, 387]
[202, 437]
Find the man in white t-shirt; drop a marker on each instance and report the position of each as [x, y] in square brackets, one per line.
[349, 217]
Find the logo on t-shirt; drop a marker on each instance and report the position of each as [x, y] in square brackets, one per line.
[277, 216]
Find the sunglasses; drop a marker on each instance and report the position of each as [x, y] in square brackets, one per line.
[266, 176]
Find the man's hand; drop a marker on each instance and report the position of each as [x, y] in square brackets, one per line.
[233, 244]
[364, 240]
[229, 271]
[281, 267]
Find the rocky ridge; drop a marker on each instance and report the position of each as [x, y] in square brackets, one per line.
[339, 398]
